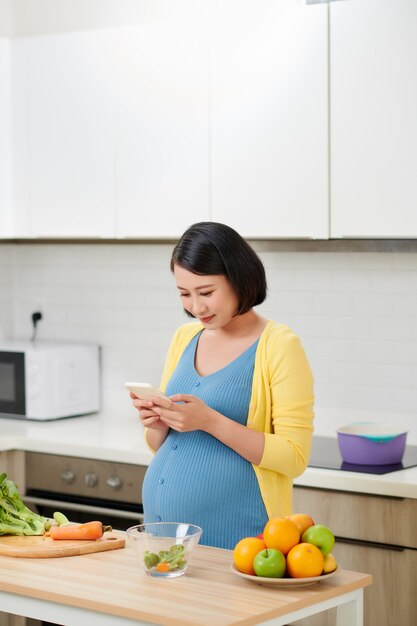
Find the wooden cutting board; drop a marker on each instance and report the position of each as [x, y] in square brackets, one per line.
[44, 547]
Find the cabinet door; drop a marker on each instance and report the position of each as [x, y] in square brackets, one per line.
[161, 117]
[373, 80]
[269, 128]
[391, 597]
[6, 217]
[378, 519]
[370, 534]
[64, 133]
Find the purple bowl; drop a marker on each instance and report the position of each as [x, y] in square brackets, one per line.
[361, 450]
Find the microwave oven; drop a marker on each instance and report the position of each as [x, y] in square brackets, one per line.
[46, 380]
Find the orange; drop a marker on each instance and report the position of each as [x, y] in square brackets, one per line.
[301, 520]
[305, 560]
[245, 551]
[281, 534]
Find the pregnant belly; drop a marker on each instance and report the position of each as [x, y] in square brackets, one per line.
[194, 477]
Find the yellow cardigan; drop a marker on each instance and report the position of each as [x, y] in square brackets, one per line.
[281, 406]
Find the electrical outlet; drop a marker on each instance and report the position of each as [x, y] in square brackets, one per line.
[36, 318]
[39, 304]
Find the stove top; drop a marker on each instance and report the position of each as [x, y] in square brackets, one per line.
[325, 454]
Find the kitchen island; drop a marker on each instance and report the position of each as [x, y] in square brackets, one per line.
[112, 589]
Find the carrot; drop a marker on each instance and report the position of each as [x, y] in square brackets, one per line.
[87, 531]
[162, 567]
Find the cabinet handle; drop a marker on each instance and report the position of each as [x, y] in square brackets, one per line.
[370, 544]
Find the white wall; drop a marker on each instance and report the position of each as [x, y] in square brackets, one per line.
[6, 290]
[27, 18]
[355, 313]
[6, 18]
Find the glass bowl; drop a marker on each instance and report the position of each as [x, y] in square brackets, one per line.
[164, 548]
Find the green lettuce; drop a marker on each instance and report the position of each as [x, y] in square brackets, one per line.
[15, 517]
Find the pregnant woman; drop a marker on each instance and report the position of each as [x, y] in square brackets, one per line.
[237, 427]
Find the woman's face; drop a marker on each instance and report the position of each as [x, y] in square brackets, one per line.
[210, 299]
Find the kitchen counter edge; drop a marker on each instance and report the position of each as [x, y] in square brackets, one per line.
[122, 441]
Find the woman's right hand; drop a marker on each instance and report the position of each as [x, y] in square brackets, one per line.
[147, 416]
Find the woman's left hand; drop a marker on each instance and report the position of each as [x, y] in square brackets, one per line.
[191, 414]
[186, 413]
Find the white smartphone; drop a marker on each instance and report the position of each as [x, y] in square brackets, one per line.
[145, 391]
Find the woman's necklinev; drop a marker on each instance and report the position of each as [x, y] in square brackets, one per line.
[215, 351]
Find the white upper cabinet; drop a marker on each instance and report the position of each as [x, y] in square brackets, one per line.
[162, 126]
[63, 134]
[269, 117]
[373, 118]
[6, 199]
[212, 109]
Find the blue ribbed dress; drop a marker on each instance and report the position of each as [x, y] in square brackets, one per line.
[195, 478]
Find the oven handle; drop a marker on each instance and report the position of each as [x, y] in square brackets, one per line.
[86, 508]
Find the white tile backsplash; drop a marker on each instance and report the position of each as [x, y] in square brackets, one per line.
[355, 313]
[6, 291]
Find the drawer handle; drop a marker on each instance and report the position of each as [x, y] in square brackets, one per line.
[370, 544]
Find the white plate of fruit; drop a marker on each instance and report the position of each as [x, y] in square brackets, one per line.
[292, 551]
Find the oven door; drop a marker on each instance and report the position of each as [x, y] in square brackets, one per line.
[79, 512]
[12, 384]
[84, 489]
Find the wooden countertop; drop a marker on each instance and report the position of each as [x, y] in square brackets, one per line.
[209, 593]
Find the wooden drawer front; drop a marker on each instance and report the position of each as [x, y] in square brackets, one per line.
[391, 598]
[358, 516]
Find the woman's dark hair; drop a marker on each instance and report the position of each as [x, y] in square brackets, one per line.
[210, 248]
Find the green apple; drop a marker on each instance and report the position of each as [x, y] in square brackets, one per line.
[319, 536]
[269, 563]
